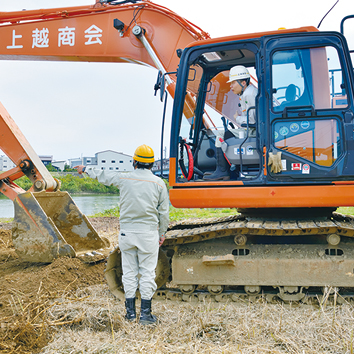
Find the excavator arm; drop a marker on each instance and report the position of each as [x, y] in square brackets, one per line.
[47, 222]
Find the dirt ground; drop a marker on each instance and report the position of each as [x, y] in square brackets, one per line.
[66, 308]
[28, 290]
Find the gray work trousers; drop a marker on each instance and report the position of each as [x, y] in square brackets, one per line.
[140, 250]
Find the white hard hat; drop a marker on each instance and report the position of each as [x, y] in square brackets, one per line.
[238, 72]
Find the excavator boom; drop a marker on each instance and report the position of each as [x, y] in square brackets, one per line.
[47, 222]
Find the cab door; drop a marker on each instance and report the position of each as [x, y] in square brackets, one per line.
[310, 99]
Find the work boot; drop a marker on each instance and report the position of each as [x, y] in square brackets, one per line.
[146, 317]
[130, 308]
[222, 171]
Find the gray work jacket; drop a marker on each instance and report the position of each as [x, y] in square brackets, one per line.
[144, 202]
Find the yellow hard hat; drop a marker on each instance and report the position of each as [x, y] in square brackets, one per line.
[144, 153]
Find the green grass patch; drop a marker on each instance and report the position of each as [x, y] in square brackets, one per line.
[346, 210]
[6, 220]
[75, 184]
[180, 214]
[108, 212]
[177, 214]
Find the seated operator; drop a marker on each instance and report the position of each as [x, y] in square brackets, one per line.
[239, 79]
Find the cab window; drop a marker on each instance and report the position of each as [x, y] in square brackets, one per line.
[307, 77]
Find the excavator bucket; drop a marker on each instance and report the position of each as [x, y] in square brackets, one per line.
[48, 225]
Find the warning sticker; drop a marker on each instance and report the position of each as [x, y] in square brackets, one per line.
[294, 127]
[284, 131]
[305, 124]
[296, 166]
[283, 164]
[306, 168]
[237, 151]
[249, 150]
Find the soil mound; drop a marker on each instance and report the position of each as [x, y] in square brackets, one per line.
[28, 290]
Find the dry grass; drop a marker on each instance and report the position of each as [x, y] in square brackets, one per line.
[66, 308]
[92, 323]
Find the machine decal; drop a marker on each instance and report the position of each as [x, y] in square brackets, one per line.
[296, 166]
[283, 163]
[40, 38]
[284, 131]
[237, 151]
[249, 150]
[93, 35]
[14, 37]
[305, 124]
[294, 127]
[306, 168]
[66, 37]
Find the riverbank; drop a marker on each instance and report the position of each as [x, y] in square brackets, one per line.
[74, 183]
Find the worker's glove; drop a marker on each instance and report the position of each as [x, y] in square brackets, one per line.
[220, 143]
[274, 161]
[223, 146]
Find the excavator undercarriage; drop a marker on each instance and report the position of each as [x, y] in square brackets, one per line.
[248, 257]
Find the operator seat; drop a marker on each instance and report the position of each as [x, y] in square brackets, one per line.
[290, 97]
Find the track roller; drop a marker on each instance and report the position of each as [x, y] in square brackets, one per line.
[215, 289]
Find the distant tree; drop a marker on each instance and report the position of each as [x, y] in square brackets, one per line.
[67, 168]
[51, 168]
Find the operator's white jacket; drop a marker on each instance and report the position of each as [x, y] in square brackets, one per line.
[247, 100]
[144, 202]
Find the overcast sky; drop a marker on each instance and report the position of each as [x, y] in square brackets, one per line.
[77, 109]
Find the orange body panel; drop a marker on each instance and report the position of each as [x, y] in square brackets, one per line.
[263, 197]
[234, 194]
[240, 37]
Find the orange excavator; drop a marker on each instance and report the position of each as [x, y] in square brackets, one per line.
[288, 171]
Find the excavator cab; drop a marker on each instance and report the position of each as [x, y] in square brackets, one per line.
[216, 109]
[303, 131]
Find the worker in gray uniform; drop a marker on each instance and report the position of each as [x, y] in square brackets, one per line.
[144, 218]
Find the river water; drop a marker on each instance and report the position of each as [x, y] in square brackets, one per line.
[88, 204]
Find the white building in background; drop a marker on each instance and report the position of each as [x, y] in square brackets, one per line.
[115, 161]
[156, 168]
[5, 163]
[106, 160]
[59, 165]
[46, 159]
